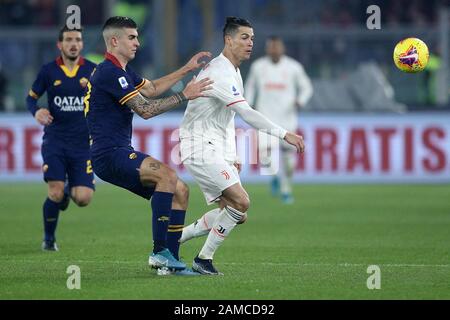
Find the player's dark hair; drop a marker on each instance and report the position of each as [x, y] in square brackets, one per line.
[232, 25]
[67, 29]
[119, 22]
[274, 37]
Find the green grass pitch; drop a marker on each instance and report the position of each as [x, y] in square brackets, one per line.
[318, 248]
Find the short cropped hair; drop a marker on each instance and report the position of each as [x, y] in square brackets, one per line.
[119, 22]
[114, 24]
[232, 25]
[66, 29]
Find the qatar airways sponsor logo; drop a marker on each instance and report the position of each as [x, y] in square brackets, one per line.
[69, 103]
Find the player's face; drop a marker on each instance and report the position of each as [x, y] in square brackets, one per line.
[128, 43]
[242, 43]
[274, 49]
[71, 45]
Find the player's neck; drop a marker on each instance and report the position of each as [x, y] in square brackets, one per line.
[70, 64]
[234, 60]
[122, 60]
[275, 60]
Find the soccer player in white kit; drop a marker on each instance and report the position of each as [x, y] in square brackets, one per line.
[278, 87]
[207, 142]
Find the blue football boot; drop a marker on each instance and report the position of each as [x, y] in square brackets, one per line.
[188, 272]
[287, 198]
[275, 186]
[165, 259]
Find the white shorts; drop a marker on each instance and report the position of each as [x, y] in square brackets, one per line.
[213, 178]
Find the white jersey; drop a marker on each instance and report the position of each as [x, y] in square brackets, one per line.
[278, 87]
[209, 120]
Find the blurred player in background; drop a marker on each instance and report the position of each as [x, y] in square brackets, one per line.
[65, 145]
[208, 147]
[281, 87]
[115, 92]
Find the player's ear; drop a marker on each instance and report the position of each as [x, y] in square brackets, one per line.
[228, 40]
[114, 41]
[59, 45]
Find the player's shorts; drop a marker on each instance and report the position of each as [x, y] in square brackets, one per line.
[60, 162]
[213, 178]
[121, 168]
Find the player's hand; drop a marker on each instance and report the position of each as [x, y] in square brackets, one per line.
[43, 116]
[195, 62]
[238, 166]
[296, 141]
[195, 89]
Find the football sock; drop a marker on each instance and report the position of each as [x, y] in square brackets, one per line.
[287, 172]
[50, 213]
[200, 227]
[224, 223]
[174, 231]
[161, 207]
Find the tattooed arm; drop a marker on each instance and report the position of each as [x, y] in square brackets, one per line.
[148, 108]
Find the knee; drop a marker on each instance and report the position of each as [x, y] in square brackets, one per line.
[56, 194]
[242, 204]
[182, 191]
[82, 199]
[170, 177]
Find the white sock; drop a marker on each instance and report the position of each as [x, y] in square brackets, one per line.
[200, 227]
[287, 172]
[224, 223]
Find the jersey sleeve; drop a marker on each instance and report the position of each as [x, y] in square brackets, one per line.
[226, 90]
[37, 89]
[40, 84]
[257, 120]
[138, 81]
[119, 84]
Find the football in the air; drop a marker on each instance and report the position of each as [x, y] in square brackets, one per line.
[411, 55]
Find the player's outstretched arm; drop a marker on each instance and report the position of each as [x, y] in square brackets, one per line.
[156, 87]
[259, 121]
[149, 108]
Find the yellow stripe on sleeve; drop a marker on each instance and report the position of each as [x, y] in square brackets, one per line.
[128, 97]
[140, 85]
[33, 94]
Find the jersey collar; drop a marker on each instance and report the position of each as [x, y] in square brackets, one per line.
[221, 55]
[113, 59]
[69, 73]
[60, 61]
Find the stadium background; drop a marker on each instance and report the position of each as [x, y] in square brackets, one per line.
[367, 123]
[362, 121]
